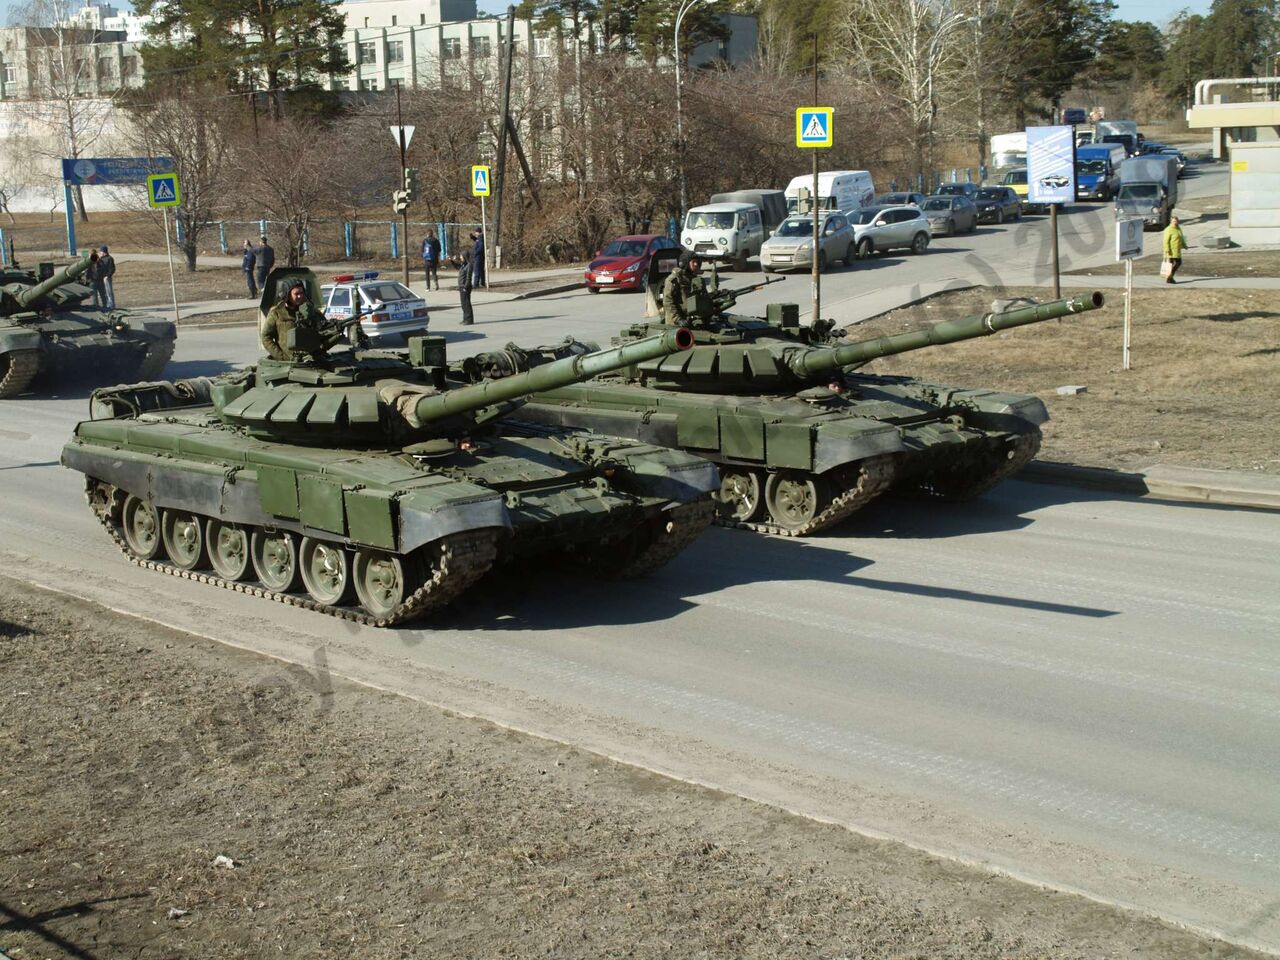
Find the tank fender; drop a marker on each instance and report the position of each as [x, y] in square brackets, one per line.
[994, 410]
[423, 518]
[160, 329]
[18, 338]
[846, 441]
[660, 472]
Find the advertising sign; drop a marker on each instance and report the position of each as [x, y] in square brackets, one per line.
[1128, 238]
[1051, 165]
[113, 170]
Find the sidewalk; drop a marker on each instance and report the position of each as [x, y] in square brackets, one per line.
[1228, 488]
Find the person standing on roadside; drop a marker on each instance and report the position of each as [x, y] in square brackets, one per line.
[94, 281]
[431, 258]
[106, 273]
[246, 265]
[1175, 241]
[264, 259]
[477, 259]
[466, 280]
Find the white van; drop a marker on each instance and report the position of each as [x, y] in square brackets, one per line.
[846, 190]
[1009, 150]
[724, 231]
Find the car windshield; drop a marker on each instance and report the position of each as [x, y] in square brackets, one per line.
[1015, 176]
[991, 193]
[796, 227]
[953, 188]
[623, 248]
[937, 203]
[1138, 191]
[896, 198]
[865, 216]
[1095, 167]
[386, 291]
[705, 219]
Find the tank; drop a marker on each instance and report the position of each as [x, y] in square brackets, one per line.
[801, 438]
[370, 486]
[45, 331]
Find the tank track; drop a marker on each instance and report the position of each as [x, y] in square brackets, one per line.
[875, 474]
[974, 483]
[23, 367]
[464, 559]
[687, 521]
[157, 357]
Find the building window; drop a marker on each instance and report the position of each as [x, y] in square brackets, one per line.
[542, 46]
[128, 67]
[422, 19]
[106, 70]
[10, 73]
[368, 84]
[395, 51]
[393, 19]
[82, 70]
[546, 120]
[480, 48]
[393, 82]
[368, 51]
[451, 48]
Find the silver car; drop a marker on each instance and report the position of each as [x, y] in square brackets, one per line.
[950, 214]
[791, 245]
[890, 228]
[389, 311]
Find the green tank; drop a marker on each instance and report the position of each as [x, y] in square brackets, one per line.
[369, 486]
[803, 440]
[45, 331]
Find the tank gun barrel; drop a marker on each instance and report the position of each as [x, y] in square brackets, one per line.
[550, 376]
[26, 296]
[813, 362]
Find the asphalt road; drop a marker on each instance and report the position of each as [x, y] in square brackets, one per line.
[1080, 689]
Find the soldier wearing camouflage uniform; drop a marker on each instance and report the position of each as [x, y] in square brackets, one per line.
[294, 310]
[677, 289]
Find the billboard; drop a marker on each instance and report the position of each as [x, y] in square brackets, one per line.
[1051, 165]
[113, 170]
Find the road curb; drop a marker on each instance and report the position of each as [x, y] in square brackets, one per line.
[1165, 482]
[562, 288]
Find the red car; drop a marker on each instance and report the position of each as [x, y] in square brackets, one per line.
[624, 262]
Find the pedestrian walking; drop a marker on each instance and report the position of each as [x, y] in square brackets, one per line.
[264, 258]
[466, 280]
[477, 258]
[246, 265]
[431, 258]
[90, 277]
[1175, 241]
[106, 275]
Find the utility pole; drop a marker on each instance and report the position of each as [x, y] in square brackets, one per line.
[814, 204]
[504, 124]
[404, 213]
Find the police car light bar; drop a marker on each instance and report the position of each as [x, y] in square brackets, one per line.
[348, 277]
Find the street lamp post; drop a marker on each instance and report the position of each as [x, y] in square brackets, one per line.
[685, 7]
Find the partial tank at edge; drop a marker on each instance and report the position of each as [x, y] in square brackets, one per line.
[801, 438]
[45, 331]
[370, 485]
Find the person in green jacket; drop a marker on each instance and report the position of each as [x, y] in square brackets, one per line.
[1175, 241]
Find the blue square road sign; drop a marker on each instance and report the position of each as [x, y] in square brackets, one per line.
[815, 126]
[162, 190]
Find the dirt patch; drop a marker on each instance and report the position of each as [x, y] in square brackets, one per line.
[1225, 263]
[1204, 389]
[168, 796]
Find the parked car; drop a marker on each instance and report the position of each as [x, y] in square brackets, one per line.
[623, 263]
[1177, 155]
[969, 190]
[389, 311]
[997, 204]
[791, 245]
[899, 199]
[877, 229]
[950, 215]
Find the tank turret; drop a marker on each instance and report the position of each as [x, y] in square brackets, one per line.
[19, 297]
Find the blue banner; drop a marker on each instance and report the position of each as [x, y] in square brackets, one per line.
[1051, 165]
[114, 170]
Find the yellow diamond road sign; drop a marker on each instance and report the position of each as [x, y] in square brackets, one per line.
[480, 181]
[162, 190]
[815, 126]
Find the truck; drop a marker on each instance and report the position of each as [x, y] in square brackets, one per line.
[1148, 189]
[772, 204]
[1124, 132]
[1008, 150]
[1098, 171]
[724, 231]
[846, 190]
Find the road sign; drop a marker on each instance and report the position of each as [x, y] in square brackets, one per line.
[408, 129]
[480, 182]
[1128, 238]
[1051, 164]
[815, 126]
[162, 190]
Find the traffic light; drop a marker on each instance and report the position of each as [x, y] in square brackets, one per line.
[411, 183]
[400, 200]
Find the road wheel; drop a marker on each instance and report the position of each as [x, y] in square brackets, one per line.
[591, 289]
[920, 243]
[326, 572]
[865, 248]
[644, 281]
[384, 581]
[951, 228]
[739, 496]
[740, 262]
[764, 269]
[794, 499]
[999, 215]
[141, 528]
[18, 370]
[183, 536]
[275, 559]
[228, 546]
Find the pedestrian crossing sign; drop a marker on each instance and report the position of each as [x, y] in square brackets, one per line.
[480, 181]
[162, 190]
[814, 127]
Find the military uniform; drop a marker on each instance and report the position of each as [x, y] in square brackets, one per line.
[675, 293]
[274, 330]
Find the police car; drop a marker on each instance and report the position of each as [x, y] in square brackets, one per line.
[389, 311]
